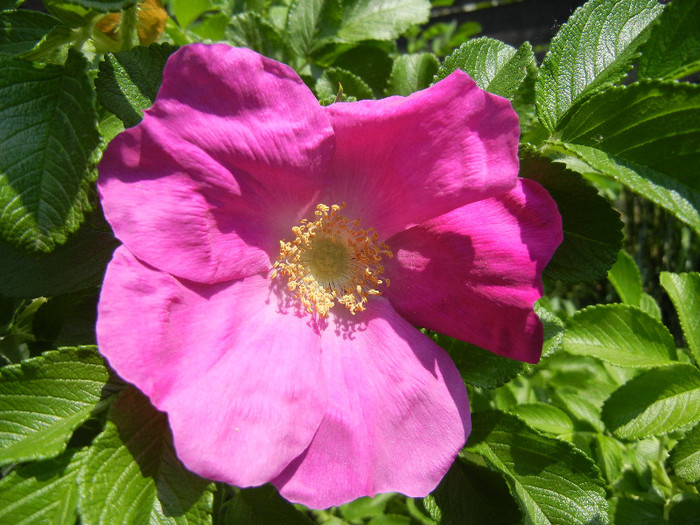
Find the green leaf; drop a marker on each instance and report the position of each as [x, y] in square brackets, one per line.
[496, 67]
[677, 198]
[610, 456]
[131, 473]
[77, 265]
[412, 73]
[620, 334]
[380, 19]
[553, 326]
[685, 456]
[686, 511]
[656, 402]
[187, 11]
[21, 30]
[304, 21]
[653, 123]
[370, 61]
[626, 279]
[595, 47]
[44, 399]
[48, 129]
[673, 48]
[552, 481]
[365, 507]
[471, 494]
[544, 417]
[42, 492]
[684, 291]
[102, 6]
[578, 403]
[328, 84]
[251, 30]
[592, 229]
[262, 506]
[629, 511]
[128, 81]
[477, 366]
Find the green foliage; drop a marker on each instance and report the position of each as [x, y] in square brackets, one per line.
[128, 81]
[43, 400]
[684, 290]
[685, 456]
[48, 157]
[620, 334]
[494, 66]
[673, 50]
[654, 403]
[592, 229]
[594, 48]
[131, 472]
[21, 31]
[262, 506]
[412, 73]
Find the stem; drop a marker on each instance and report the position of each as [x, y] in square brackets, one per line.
[129, 28]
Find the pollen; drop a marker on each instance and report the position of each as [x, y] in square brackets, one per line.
[331, 259]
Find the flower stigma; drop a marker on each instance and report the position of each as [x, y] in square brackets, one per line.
[332, 259]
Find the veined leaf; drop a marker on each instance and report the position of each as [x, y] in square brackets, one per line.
[128, 81]
[412, 73]
[685, 456]
[677, 198]
[328, 84]
[626, 279]
[131, 473]
[656, 402]
[380, 19]
[620, 334]
[653, 123]
[552, 481]
[592, 229]
[673, 48]
[303, 22]
[496, 67]
[44, 399]
[187, 11]
[544, 417]
[48, 129]
[595, 47]
[684, 291]
[103, 6]
[21, 30]
[42, 492]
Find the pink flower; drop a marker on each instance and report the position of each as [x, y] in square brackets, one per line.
[238, 186]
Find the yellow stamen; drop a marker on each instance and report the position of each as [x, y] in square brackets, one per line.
[332, 259]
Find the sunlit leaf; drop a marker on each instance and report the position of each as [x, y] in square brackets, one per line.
[684, 291]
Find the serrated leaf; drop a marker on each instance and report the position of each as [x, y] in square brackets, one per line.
[412, 73]
[21, 30]
[327, 85]
[653, 123]
[684, 291]
[303, 21]
[131, 473]
[78, 264]
[544, 417]
[44, 399]
[656, 402]
[128, 81]
[380, 19]
[552, 481]
[496, 67]
[685, 456]
[262, 506]
[477, 366]
[673, 48]
[610, 456]
[577, 403]
[592, 229]
[42, 492]
[619, 334]
[626, 279]
[679, 199]
[594, 48]
[370, 61]
[48, 129]
[471, 494]
[251, 30]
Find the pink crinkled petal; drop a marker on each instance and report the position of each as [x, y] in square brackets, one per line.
[403, 160]
[397, 415]
[236, 373]
[226, 161]
[475, 273]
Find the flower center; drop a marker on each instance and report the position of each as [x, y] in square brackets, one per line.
[332, 259]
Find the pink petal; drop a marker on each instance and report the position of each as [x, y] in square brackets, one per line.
[401, 161]
[236, 373]
[475, 273]
[397, 415]
[222, 166]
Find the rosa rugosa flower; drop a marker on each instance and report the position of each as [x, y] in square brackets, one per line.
[277, 256]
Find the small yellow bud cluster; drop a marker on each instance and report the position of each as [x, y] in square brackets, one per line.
[332, 259]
